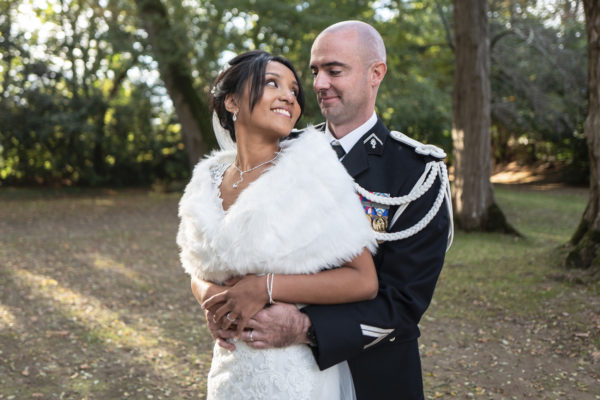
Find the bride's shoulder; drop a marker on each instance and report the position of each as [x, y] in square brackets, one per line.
[309, 158]
[309, 143]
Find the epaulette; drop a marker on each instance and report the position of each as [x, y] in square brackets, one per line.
[434, 170]
[320, 127]
[293, 134]
[420, 148]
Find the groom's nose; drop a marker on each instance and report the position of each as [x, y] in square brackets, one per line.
[321, 81]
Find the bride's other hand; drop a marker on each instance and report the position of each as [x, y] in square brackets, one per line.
[204, 290]
[215, 290]
[239, 303]
[219, 335]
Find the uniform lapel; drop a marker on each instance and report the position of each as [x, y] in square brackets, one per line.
[356, 161]
[371, 143]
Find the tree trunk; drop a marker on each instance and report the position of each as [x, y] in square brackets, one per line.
[171, 54]
[473, 194]
[586, 239]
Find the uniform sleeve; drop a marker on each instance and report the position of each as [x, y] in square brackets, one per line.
[408, 270]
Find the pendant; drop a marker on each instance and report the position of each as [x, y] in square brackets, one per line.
[236, 184]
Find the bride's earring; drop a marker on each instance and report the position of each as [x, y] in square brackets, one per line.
[234, 118]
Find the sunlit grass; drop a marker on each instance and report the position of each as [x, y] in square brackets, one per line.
[489, 273]
[102, 324]
[547, 217]
[7, 318]
[105, 263]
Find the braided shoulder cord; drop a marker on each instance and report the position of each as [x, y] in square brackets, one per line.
[432, 168]
[450, 211]
[443, 192]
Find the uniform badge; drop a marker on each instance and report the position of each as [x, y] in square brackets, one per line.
[373, 144]
[378, 214]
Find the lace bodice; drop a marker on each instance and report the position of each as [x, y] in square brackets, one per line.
[217, 171]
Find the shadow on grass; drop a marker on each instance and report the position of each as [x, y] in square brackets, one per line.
[50, 350]
[108, 288]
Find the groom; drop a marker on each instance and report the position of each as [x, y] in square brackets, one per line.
[378, 337]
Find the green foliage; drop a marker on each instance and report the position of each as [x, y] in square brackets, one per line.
[539, 82]
[70, 114]
[416, 95]
[82, 102]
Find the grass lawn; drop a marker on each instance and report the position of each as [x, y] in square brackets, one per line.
[507, 321]
[94, 304]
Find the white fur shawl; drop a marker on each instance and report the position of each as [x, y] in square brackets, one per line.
[300, 216]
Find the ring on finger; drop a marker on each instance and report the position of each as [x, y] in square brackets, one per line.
[228, 318]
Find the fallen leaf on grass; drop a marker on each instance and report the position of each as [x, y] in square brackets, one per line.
[57, 333]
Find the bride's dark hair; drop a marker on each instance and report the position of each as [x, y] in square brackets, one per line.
[247, 66]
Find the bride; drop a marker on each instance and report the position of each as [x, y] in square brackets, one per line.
[282, 211]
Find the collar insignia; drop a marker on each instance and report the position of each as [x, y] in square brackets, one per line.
[373, 144]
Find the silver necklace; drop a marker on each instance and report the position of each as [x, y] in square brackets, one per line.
[236, 184]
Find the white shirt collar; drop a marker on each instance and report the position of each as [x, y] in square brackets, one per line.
[350, 139]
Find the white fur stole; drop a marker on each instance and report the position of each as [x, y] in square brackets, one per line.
[300, 216]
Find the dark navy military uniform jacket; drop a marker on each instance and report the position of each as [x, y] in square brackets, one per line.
[379, 337]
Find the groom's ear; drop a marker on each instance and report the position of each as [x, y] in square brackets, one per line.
[231, 103]
[377, 72]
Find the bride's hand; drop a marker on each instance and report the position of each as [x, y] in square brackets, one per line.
[240, 302]
[216, 289]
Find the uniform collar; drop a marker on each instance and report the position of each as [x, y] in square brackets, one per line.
[371, 143]
[350, 139]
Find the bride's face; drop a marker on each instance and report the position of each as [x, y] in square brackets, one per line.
[277, 111]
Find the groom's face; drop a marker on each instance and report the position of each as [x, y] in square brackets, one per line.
[340, 77]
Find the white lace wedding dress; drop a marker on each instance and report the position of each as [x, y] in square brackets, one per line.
[300, 216]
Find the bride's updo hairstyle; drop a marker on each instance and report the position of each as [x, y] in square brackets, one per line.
[250, 66]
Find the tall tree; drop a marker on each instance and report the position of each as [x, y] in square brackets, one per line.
[586, 240]
[473, 194]
[172, 51]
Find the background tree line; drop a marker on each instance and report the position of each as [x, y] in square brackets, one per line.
[114, 92]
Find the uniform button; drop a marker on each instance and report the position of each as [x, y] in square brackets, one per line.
[392, 339]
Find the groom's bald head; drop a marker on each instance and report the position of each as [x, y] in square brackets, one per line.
[369, 43]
